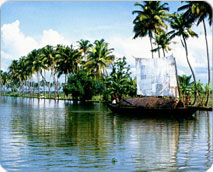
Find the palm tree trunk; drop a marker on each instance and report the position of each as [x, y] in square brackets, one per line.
[49, 85]
[22, 87]
[65, 79]
[193, 75]
[55, 84]
[50, 82]
[45, 82]
[207, 53]
[150, 38]
[158, 51]
[57, 90]
[33, 87]
[38, 77]
[164, 53]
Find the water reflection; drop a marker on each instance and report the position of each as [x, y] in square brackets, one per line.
[59, 135]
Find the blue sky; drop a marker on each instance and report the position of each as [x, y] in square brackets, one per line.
[26, 25]
[71, 18]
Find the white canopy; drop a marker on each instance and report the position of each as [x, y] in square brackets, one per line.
[156, 77]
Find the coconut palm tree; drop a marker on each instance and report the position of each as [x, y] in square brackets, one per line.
[163, 40]
[182, 28]
[84, 47]
[99, 58]
[37, 65]
[29, 67]
[150, 19]
[199, 11]
[14, 71]
[4, 80]
[23, 72]
[18, 73]
[67, 62]
[48, 53]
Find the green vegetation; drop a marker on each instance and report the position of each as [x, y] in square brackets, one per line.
[120, 83]
[150, 19]
[85, 67]
[188, 88]
[82, 86]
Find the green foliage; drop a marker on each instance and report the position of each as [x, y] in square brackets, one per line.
[99, 58]
[81, 86]
[202, 91]
[120, 82]
[184, 84]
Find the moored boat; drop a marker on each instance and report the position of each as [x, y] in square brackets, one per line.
[131, 110]
[152, 106]
[157, 83]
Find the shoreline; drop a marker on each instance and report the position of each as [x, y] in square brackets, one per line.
[201, 108]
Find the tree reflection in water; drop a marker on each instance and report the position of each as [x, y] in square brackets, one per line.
[48, 134]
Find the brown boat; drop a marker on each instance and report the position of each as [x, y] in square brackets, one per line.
[158, 85]
[152, 106]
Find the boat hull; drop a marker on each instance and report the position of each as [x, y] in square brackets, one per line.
[142, 111]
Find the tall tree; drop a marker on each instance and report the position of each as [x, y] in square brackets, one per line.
[15, 73]
[4, 79]
[150, 19]
[49, 54]
[99, 58]
[37, 66]
[84, 47]
[163, 40]
[198, 11]
[182, 28]
[66, 63]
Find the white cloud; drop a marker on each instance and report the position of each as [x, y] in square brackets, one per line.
[131, 48]
[16, 44]
[196, 50]
[51, 37]
[141, 48]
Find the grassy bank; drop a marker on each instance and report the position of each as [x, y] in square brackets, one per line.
[97, 98]
[61, 96]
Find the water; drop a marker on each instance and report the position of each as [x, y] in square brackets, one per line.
[50, 135]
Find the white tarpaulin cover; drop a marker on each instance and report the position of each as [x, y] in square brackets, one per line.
[156, 77]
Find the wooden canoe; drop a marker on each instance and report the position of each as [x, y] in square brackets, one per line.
[143, 111]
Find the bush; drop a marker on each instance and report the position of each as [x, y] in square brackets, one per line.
[81, 86]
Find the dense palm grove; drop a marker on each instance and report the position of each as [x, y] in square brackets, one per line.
[85, 67]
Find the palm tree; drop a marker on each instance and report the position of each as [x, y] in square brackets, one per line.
[84, 47]
[23, 72]
[14, 71]
[198, 11]
[48, 53]
[99, 58]
[150, 19]
[29, 67]
[163, 40]
[37, 65]
[67, 62]
[181, 28]
[4, 80]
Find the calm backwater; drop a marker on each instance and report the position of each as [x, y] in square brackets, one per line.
[49, 135]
